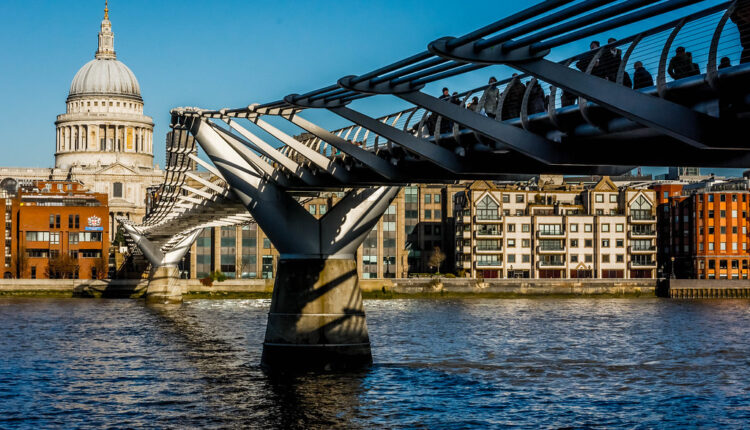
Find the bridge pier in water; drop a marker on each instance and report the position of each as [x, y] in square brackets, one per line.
[317, 320]
[163, 278]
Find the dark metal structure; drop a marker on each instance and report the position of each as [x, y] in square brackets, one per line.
[582, 115]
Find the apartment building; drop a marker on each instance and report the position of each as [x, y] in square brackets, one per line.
[555, 229]
[703, 229]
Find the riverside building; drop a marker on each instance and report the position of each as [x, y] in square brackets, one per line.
[703, 229]
[554, 229]
[55, 229]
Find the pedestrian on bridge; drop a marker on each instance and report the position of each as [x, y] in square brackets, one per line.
[681, 65]
[489, 99]
[513, 98]
[741, 17]
[641, 77]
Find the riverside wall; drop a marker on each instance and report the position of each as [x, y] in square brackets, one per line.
[397, 286]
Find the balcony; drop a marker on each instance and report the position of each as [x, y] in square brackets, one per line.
[488, 219]
[464, 265]
[556, 234]
[550, 250]
[550, 264]
[488, 264]
[642, 234]
[466, 234]
[488, 235]
[643, 264]
[642, 249]
[466, 219]
[485, 250]
[639, 219]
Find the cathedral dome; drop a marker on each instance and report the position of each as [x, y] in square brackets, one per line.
[105, 76]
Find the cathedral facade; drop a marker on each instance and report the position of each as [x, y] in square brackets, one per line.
[103, 139]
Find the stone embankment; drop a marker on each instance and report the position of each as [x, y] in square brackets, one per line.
[705, 288]
[372, 288]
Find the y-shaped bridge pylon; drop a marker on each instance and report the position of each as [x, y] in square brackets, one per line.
[317, 319]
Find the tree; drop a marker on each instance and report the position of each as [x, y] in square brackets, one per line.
[436, 258]
[102, 267]
[61, 266]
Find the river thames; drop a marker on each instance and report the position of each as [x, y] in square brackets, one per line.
[632, 363]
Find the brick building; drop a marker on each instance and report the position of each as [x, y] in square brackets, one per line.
[55, 229]
[703, 229]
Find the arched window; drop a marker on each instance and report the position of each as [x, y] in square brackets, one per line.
[641, 208]
[487, 208]
[117, 189]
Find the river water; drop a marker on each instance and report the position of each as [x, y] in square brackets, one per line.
[541, 363]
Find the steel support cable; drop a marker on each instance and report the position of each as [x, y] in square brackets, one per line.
[575, 24]
[506, 22]
[540, 23]
[612, 23]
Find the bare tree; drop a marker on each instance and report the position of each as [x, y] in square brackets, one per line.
[436, 258]
[61, 266]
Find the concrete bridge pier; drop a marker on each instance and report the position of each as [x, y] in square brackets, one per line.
[316, 321]
[163, 279]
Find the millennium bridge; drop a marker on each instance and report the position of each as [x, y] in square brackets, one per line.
[591, 113]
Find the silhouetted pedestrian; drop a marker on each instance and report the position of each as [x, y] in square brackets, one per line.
[568, 99]
[694, 68]
[724, 63]
[536, 98]
[681, 65]
[489, 99]
[513, 98]
[474, 104]
[741, 17]
[641, 77]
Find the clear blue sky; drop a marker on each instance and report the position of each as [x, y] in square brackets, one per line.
[213, 54]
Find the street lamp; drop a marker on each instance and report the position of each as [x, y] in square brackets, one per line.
[672, 276]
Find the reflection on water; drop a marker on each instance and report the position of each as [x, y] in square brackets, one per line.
[440, 364]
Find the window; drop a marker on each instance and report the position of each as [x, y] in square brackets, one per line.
[519, 212]
[710, 214]
[90, 236]
[33, 272]
[428, 198]
[723, 229]
[574, 259]
[723, 246]
[588, 243]
[574, 228]
[51, 221]
[735, 264]
[666, 195]
[710, 229]
[641, 208]
[313, 209]
[436, 198]
[588, 258]
[427, 214]
[90, 253]
[525, 243]
[605, 243]
[574, 243]
[550, 229]
[117, 189]
[734, 246]
[437, 213]
[723, 214]
[710, 197]
[511, 228]
[734, 213]
[734, 229]
[599, 198]
[489, 245]
[722, 197]
[613, 198]
[511, 243]
[267, 267]
[506, 198]
[605, 258]
[525, 228]
[37, 236]
[519, 198]
[72, 238]
[710, 246]
[323, 209]
[712, 264]
[600, 211]
[619, 228]
[54, 238]
[588, 228]
[266, 243]
[526, 258]
[511, 258]
[605, 228]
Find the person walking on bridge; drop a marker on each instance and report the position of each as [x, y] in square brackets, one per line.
[741, 17]
[681, 65]
[513, 98]
[641, 77]
[489, 99]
